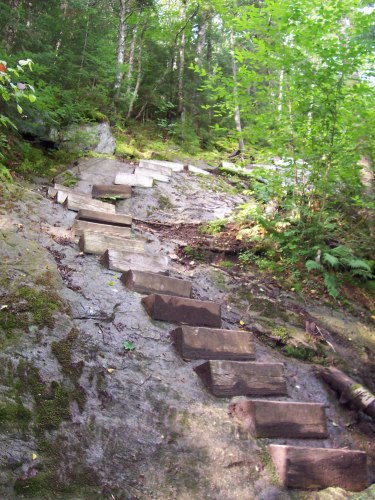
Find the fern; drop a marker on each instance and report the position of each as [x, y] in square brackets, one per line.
[331, 260]
[343, 252]
[359, 264]
[331, 285]
[311, 265]
[362, 273]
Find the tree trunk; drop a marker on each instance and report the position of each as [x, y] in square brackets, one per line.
[139, 77]
[120, 48]
[10, 29]
[64, 8]
[181, 67]
[237, 112]
[131, 59]
[201, 42]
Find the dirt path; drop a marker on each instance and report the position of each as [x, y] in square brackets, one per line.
[82, 417]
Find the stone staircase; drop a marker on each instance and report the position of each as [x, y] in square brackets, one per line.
[230, 367]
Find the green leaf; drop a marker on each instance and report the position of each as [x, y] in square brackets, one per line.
[359, 264]
[32, 98]
[331, 285]
[128, 345]
[19, 109]
[311, 265]
[331, 260]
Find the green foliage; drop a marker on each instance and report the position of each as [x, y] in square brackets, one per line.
[128, 345]
[213, 227]
[338, 258]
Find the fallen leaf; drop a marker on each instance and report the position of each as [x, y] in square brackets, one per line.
[242, 322]
[111, 283]
[110, 370]
[34, 456]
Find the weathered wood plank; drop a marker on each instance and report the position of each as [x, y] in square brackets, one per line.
[105, 191]
[175, 166]
[181, 310]
[209, 343]
[123, 261]
[98, 243]
[313, 468]
[237, 378]
[134, 180]
[80, 226]
[146, 282]
[53, 192]
[104, 218]
[77, 201]
[151, 173]
[196, 170]
[150, 165]
[280, 419]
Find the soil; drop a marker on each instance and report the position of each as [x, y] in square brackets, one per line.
[83, 418]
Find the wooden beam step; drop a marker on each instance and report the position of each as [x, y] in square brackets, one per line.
[98, 243]
[157, 176]
[123, 261]
[209, 343]
[105, 191]
[314, 468]
[134, 180]
[80, 226]
[145, 282]
[174, 166]
[181, 310]
[120, 220]
[236, 378]
[280, 419]
[77, 201]
[150, 165]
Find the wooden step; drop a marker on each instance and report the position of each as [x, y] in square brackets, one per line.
[98, 243]
[280, 419]
[79, 226]
[77, 201]
[196, 170]
[106, 191]
[52, 191]
[181, 310]
[123, 261]
[134, 180]
[120, 220]
[236, 378]
[145, 282]
[149, 165]
[174, 166]
[313, 468]
[209, 343]
[157, 176]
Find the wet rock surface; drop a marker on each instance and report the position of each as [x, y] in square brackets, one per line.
[97, 420]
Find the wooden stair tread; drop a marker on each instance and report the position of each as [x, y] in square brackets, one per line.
[312, 468]
[182, 310]
[281, 419]
[237, 378]
[146, 282]
[209, 343]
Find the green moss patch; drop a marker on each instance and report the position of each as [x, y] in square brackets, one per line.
[14, 415]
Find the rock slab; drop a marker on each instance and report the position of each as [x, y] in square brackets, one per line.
[279, 419]
[313, 468]
[237, 378]
[210, 343]
[146, 282]
[181, 310]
